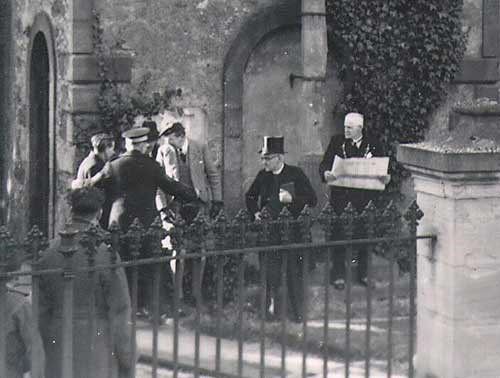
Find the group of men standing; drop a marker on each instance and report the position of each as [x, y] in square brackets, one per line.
[281, 185]
[152, 178]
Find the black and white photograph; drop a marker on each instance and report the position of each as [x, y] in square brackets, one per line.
[249, 188]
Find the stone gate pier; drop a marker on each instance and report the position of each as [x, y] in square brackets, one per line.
[457, 183]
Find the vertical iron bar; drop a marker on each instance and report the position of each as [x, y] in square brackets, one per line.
[67, 249]
[3, 313]
[114, 252]
[412, 216]
[284, 309]
[92, 327]
[263, 311]
[413, 277]
[348, 263]
[391, 312]
[326, 283]
[156, 317]
[368, 309]
[369, 217]
[220, 304]
[241, 277]
[177, 289]
[305, 275]
[197, 280]
[34, 239]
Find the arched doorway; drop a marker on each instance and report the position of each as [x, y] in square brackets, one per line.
[39, 142]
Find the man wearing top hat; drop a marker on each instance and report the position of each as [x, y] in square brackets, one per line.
[190, 163]
[276, 186]
[352, 144]
[103, 149]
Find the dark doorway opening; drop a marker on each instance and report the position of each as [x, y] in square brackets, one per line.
[39, 147]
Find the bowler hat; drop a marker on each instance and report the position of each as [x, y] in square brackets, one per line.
[273, 145]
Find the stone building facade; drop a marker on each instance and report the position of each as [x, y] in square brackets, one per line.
[231, 58]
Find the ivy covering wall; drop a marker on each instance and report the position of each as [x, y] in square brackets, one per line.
[396, 59]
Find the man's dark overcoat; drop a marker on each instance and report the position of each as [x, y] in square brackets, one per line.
[132, 180]
[340, 196]
[264, 192]
[113, 339]
[339, 146]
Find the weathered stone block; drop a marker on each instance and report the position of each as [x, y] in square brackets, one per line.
[491, 28]
[84, 68]
[83, 98]
[81, 9]
[486, 91]
[81, 38]
[474, 70]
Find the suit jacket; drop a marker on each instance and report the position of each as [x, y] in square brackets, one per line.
[91, 165]
[132, 180]
[112, 309]
[264, 191]
[339, 146]
[205, 176]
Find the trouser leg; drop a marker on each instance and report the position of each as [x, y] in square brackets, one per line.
[295, 283]
[338, 269]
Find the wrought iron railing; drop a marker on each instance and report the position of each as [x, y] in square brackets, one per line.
[224, 244]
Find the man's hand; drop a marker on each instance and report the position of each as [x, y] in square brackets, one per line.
[285, 196]
[258, 215]
[329, 176]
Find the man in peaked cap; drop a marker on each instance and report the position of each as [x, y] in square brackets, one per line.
[353, 143]
[276, 186]
[190, 163]
[132, 179]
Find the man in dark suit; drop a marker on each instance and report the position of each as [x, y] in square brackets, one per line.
[132, 179]
[281, 185]
[103, 149]
[352, 144]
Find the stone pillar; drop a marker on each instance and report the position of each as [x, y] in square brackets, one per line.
[458, 321]
[314, 61]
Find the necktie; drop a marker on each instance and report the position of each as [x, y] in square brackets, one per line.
[182, 155]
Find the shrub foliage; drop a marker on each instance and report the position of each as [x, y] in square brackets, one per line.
[396, 59]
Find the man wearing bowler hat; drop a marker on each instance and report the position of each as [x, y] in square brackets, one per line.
[276, 186]
[352, 144]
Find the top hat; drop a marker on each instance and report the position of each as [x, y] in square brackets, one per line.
[137, 134]
[170, 123]
[273, 145]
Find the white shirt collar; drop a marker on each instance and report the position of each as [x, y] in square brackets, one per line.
[279, 170]
[184, 148]
[358, 141]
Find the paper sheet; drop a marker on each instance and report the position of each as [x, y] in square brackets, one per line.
[360, 173]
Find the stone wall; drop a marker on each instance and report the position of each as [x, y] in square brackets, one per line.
[16, 150]
[182, 44]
